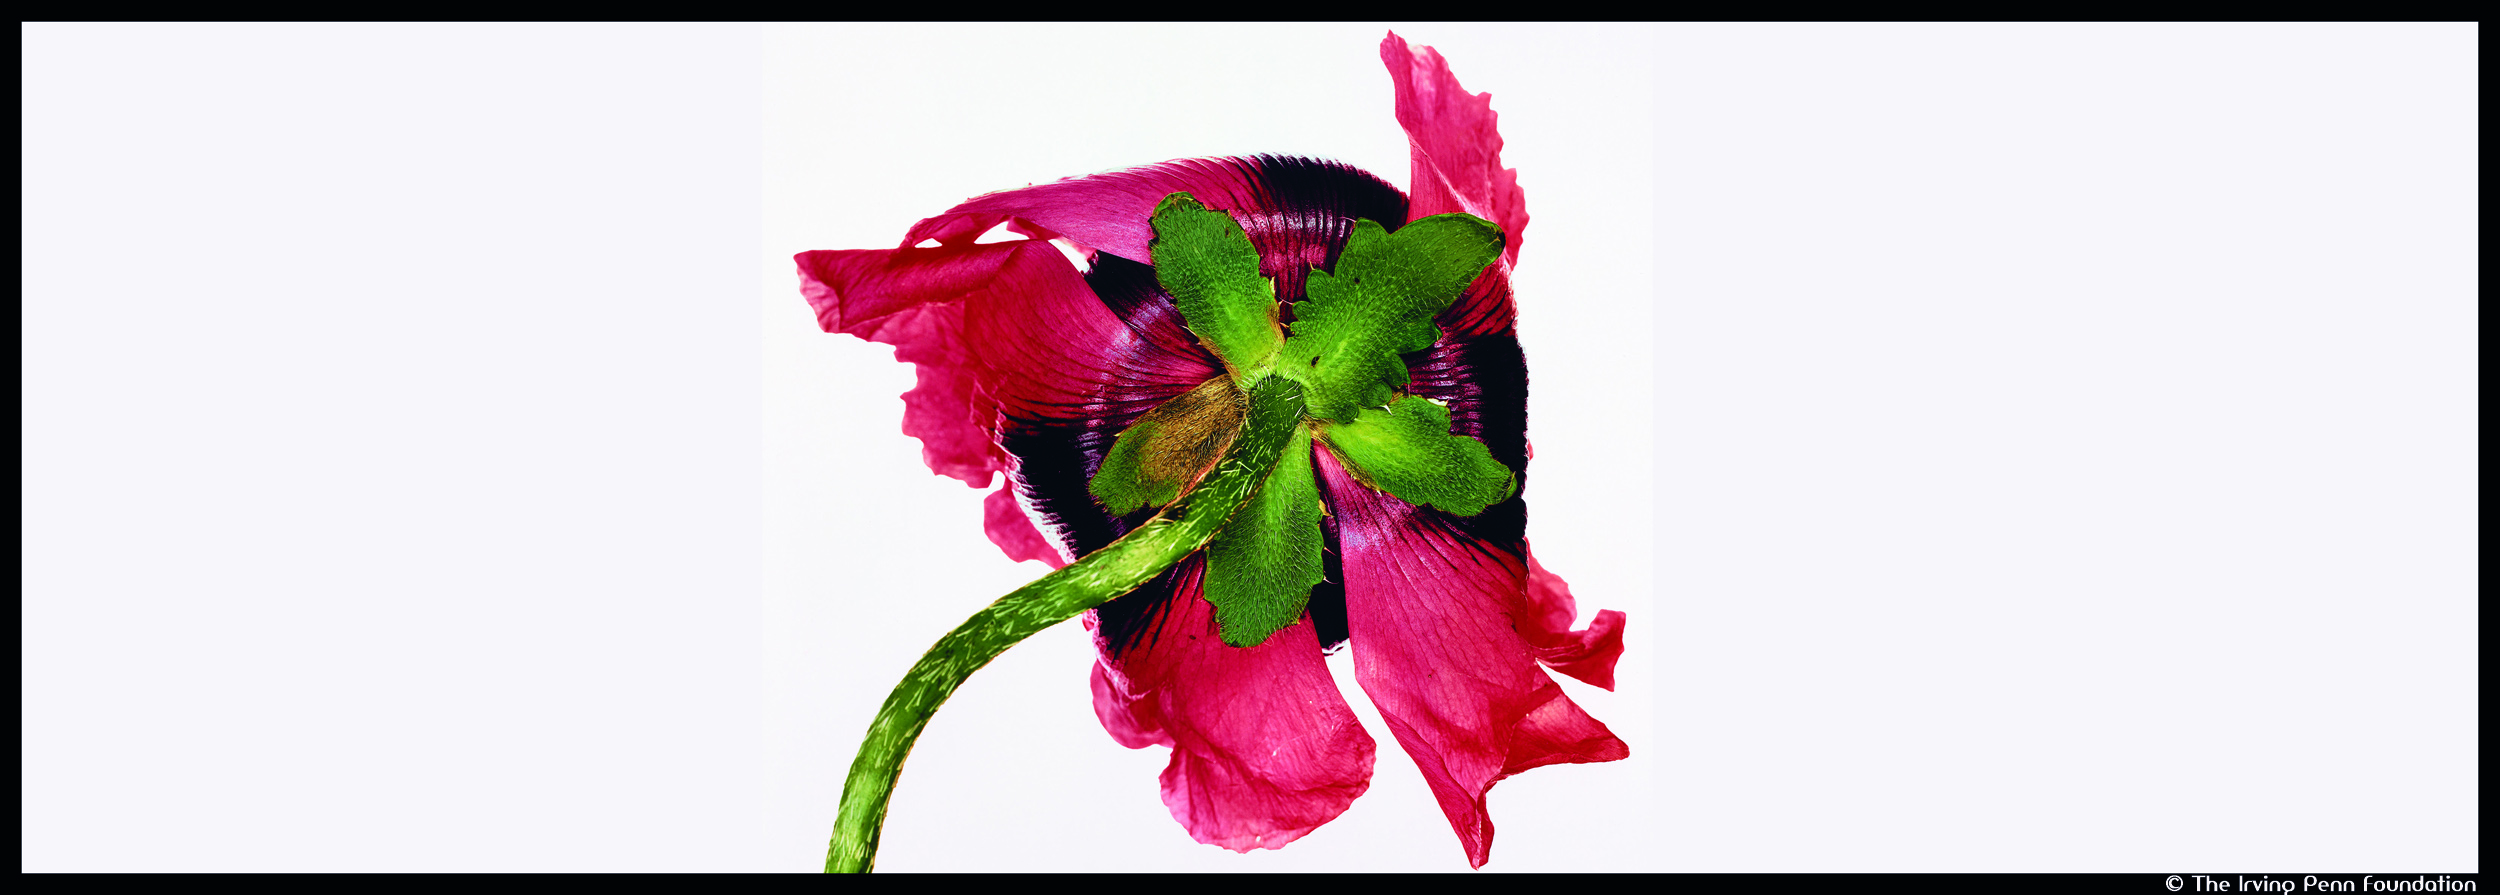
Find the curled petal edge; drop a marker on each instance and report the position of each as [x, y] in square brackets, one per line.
[913, 299]
[1106, 212]
[994, 328]
[1013, 531]
[1453, 145]
[1430, 613]
[1589, 653]
[1264, 749]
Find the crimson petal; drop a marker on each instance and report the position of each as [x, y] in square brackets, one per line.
[1452, 142]
[1296, 211]
[1264, 749]
[1588, 654]
[1430, 610]
[996, 331]
[1008, 527]
[1455, 156]
[1056, 352]
[913, 299]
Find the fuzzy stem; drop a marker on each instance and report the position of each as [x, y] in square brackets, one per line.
[1122, 566]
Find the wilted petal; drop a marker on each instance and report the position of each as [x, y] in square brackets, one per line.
[1014, 533]
[1264, 749]
[1296, 211]
[1054, 351]
[1056, 454]
[1429, 608]
[913, 299]
[1455, 156]
[1107, 212]
[1453, 145]
[1134, 721]
[1545, 618]
[998, 332]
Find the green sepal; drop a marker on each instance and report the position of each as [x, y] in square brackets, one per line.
[1204, 259]
[1408, 451]
[1262, 564]
[1378, 304]
[1171, 445]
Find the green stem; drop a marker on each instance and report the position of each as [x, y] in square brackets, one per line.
[1125, 565]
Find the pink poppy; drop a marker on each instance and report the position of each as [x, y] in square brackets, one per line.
[1032, 355]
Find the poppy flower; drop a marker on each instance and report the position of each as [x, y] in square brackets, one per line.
[1090, 380]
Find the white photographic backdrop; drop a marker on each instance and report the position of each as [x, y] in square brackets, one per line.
[2017, 447]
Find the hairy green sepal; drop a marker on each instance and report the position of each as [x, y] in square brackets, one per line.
[1408, 451]
[1349, 331]
[1208, 264]
[1273, 423]
[1156, 456]
[1261, 566]
[1345, 347]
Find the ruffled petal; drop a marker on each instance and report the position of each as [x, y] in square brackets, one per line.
[1455, 153]
[1014, 533]
[1001, 334]
[1053, 350]
[1453, 145]
[1106, 212]
[1264, 749]
[913, 299]
[1545, 615]
[1296, 211]
[1133, 720]
[1431, 610]
[1057, 453]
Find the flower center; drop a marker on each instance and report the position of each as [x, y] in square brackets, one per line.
[1344, 350]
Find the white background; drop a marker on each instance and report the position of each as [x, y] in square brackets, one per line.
[2034, 448]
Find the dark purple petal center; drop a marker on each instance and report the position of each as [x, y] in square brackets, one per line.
[1304, 213]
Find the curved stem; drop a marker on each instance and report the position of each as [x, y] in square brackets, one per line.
[1122, 566]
